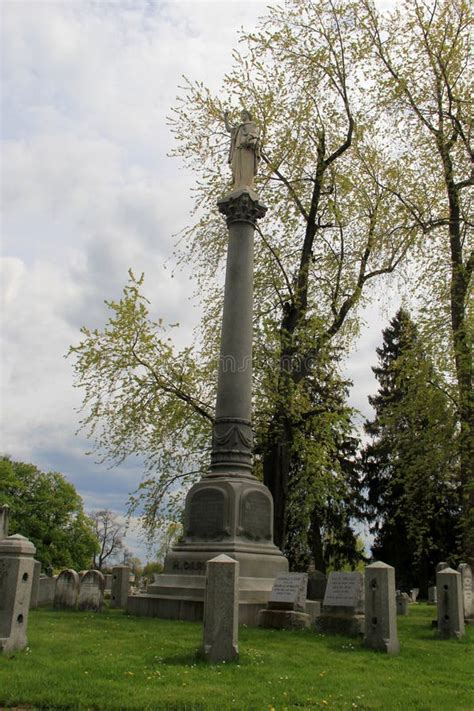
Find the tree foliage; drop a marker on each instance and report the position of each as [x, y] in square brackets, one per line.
[411, 463]
[424, 67]
[336, 148]
[47, 509]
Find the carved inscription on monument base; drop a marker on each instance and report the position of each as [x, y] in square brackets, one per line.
[256, 516]
[207, 514]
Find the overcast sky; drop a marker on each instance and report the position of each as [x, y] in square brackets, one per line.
[88, 192]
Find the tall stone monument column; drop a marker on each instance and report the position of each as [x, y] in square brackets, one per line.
[229, 511]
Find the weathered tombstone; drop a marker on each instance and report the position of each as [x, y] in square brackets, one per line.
[317, 583]
[289, 592]
[402, 600]
[466, 577]
[221, 610]
[4, 516]
[343, 605]
[450, 603]
[286, 606]
[432, 598]
[34, 599]
[67, 590]
[47, 588]
[442, 566]
[16, 576]
[91, 593]
[380, 612]
[414, 594]
[120, 586]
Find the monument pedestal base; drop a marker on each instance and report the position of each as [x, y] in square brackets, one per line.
[284, 620]
[181, 597]
[231, 515]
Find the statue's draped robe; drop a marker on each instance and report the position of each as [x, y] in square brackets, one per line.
[243, 155]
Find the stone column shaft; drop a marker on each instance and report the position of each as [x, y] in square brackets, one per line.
[232, 435]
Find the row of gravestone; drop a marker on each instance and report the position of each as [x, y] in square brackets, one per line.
[85, 590]
[21, 587]
[353, 604]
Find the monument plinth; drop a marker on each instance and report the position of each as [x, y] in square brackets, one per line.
[229, 511]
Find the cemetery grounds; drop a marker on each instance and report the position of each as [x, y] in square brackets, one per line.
[114, 661]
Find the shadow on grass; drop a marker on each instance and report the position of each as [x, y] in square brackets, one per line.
[188, 659]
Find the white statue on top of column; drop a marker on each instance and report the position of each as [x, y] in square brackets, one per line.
[244, 154]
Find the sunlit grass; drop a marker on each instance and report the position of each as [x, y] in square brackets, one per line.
[112, 661]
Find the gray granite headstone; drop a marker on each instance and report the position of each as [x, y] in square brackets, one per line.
[402, 600]
[120, 586]
[343, 605]
[289, 592]
[380, 610]
[345, 590]
[466, 576]
[221, 610]
[432, 599]
[16, 577]
[67, 590]
[450, 603]
[91, 594]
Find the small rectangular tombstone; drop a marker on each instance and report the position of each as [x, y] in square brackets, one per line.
[450, 603]
[289, 592]
[221, 610]
[402, 601]
[380, 610]
[120, 587]
[345, 590]
[432, 598]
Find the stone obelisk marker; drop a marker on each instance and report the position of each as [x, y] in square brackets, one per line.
[229, 511]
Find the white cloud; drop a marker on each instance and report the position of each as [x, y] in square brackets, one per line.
[88, 191]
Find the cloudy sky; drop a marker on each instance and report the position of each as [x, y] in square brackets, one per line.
[88, 191]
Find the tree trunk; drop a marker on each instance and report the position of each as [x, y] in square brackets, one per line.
[460, 277]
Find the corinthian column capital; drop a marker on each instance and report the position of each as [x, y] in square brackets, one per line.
[242, 205]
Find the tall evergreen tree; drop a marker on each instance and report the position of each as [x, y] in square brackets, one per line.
[411, 464]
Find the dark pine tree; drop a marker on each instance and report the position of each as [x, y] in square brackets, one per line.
[410, 465]
[324, 496]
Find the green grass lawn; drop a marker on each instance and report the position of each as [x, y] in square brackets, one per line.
[112, 661]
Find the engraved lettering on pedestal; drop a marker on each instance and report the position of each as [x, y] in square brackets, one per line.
[255, 520]
[207, 515]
